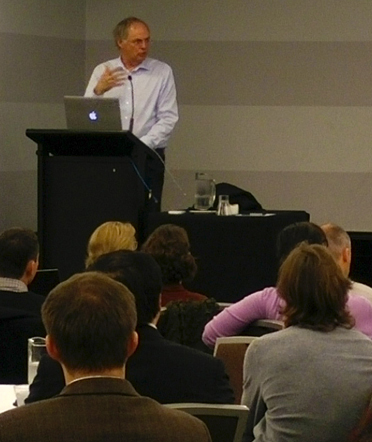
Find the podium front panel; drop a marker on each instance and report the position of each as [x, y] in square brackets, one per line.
[80, 193]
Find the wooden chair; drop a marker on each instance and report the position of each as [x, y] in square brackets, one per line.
[226, 423]
[231, 350]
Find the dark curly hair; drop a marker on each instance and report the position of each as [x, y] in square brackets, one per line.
[169, 245]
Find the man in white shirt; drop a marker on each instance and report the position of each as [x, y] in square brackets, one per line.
[146, 91]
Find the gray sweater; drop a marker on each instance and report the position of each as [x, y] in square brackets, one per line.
[306, 386]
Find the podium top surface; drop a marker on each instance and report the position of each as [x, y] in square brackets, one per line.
[81, 143]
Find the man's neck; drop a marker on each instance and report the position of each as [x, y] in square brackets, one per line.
[71, 376]
[130, 66]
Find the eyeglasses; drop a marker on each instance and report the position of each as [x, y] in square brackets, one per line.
[140, 42]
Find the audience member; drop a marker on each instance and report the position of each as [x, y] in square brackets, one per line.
[108, 237]
[90, 320]
[266, 304]
[169, 245]
[19, 261]
[339, 244]
[163, 370]
[312, 380]
[20, 309]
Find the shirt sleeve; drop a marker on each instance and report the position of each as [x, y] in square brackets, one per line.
[96, 75]
[232, 320]
[166, 114]
[361, 309]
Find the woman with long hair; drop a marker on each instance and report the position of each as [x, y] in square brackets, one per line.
[312, 380]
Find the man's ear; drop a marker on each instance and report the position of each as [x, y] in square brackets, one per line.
[51, 348]
[347, 254]
[132, 344]
[30, 271]
[120, 43]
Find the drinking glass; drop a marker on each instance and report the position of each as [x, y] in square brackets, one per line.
[224, 208]
[205, 191]
[36, 349]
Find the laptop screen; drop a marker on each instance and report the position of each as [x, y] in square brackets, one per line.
[92, 113]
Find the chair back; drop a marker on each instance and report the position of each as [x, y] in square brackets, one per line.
[226, 423]
[231, 350]
[262, 327]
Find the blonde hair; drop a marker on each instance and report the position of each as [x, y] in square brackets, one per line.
[109, 237]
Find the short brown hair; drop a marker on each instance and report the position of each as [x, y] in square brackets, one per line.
[18, 246]
[120, 31]
[314, 289]
[91, 318]
[109, 237]
[169, 245]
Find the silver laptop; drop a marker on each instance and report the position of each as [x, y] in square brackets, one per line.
[92, 113]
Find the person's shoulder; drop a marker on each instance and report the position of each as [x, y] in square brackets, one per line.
[182, 353]
[285, 336]
[268, 293]
[24, 413]
[154, 64]
[112, 63]
[36, 297]
[362, 289]
[355, 298]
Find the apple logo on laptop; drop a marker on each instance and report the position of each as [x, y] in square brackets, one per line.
[93, 116]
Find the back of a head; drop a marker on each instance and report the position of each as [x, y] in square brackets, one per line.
[170, 246]
[338, 239]
[297, 233]
[18, 246]
[314, 289]
[140, 273]
[108, 237]
[90, 318]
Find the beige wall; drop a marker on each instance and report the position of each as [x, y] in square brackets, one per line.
[275, 96]
[42, 58]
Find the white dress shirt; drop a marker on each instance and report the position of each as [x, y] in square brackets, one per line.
[155, 105]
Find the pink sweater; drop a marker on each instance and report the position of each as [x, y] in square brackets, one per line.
[266, 304]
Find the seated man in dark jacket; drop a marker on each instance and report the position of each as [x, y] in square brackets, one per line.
[163, 370]
[19, 261]
[20, 309]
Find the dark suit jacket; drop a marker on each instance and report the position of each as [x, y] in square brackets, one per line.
[27, 301]
[161, 369]
[16, 327]
[96, 410]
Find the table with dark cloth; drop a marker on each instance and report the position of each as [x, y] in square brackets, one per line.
[236, 255]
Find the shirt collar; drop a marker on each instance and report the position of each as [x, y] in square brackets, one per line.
[13, 285]
[144, 65]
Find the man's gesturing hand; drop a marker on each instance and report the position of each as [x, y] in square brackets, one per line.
[109, 79]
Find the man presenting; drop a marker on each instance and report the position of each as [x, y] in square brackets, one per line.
[145, 88]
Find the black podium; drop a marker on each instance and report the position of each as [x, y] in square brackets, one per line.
[85, 179]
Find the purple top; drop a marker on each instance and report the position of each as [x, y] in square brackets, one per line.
[267, 304]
